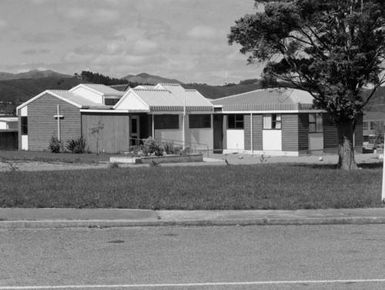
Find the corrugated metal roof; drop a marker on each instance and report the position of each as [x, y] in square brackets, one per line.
[267, 99]
[374, 116]
[105, 90]
[76, 99]
[173, 97]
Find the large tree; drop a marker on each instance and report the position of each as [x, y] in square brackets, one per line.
[334, 49]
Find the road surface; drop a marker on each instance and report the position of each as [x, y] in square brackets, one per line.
[251, 257]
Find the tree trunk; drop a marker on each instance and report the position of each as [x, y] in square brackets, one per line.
[346, 158]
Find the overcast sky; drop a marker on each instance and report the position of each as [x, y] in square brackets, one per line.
[182, 39]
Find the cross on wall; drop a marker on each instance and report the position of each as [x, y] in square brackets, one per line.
[58, 117]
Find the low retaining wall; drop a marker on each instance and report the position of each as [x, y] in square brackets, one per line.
[196, 157]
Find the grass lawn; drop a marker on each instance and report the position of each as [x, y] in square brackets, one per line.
[53, 157]
[265, 186]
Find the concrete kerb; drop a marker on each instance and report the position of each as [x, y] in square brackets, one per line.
[55, 224]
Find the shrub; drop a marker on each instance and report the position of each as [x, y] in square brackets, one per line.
[55, 145]
[170, 148]
[76, 145]
[152, 147]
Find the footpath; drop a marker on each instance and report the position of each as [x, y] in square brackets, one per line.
[22, 218]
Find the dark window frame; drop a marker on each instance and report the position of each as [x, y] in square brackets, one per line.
[275, 122]
[24, 125]
[200, 121]
[316, 125]
[236, 121]
[166, 122]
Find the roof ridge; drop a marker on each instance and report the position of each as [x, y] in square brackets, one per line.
[151, 89]
[170, 84]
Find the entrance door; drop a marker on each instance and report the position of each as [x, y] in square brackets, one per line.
[218, 133]
[135, 128]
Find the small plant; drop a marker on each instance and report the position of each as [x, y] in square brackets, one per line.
[55, 145]
[152, 147]
[113, 165]
[171, 148]
[76, 145]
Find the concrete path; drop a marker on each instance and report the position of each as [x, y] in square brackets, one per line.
[12, 218]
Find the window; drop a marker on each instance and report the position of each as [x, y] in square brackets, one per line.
[110, 101]
[365, 125]
[199, 121]
[166, 121]
[24, 125]
[272, 122]
[315, 123]
[235, 122]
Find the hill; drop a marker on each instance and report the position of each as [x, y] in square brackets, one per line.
[33, 74]
[144, 78]
[16, 91]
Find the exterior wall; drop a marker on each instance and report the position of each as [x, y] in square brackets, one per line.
[171, 135]
[359, 135]
[113, 136]
[330, 134]
[256, 134]
[316, 141]
[290, 132]
[235, 139]
[200, 138]
[42, 125]
[303, 132]
[272, 140]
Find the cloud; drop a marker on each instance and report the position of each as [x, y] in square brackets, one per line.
[35, 51]
[42, 37]
[202, 32]
[94, 16]
[3, 23]
[145, 46]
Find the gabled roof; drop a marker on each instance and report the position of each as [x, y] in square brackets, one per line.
[170, 97]
[99, 89]
[66, 96]
[267, 99]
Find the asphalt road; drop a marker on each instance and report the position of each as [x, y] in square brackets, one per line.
[252, 257]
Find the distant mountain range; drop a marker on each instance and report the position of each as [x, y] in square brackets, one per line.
[18, 88]
[33, 74]
[144, 78]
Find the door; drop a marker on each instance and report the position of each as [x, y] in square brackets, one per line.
[218, 133]
[135, 130]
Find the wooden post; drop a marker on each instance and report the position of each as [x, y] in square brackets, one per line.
[383, 175]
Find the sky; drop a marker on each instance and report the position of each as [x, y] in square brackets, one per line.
[182, 39]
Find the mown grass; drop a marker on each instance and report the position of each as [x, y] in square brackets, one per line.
[267, 186]
[52, 157]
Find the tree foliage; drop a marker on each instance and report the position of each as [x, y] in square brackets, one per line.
[97, 78]
[330, 48]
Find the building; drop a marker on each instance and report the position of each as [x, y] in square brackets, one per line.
[279, 121]
[113, 121]
[8, 133]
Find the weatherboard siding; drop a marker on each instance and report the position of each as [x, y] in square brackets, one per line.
[107, 133]
[256, 133]
[330, 134]
[303, 132]
[290, 132]
[42, 125]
